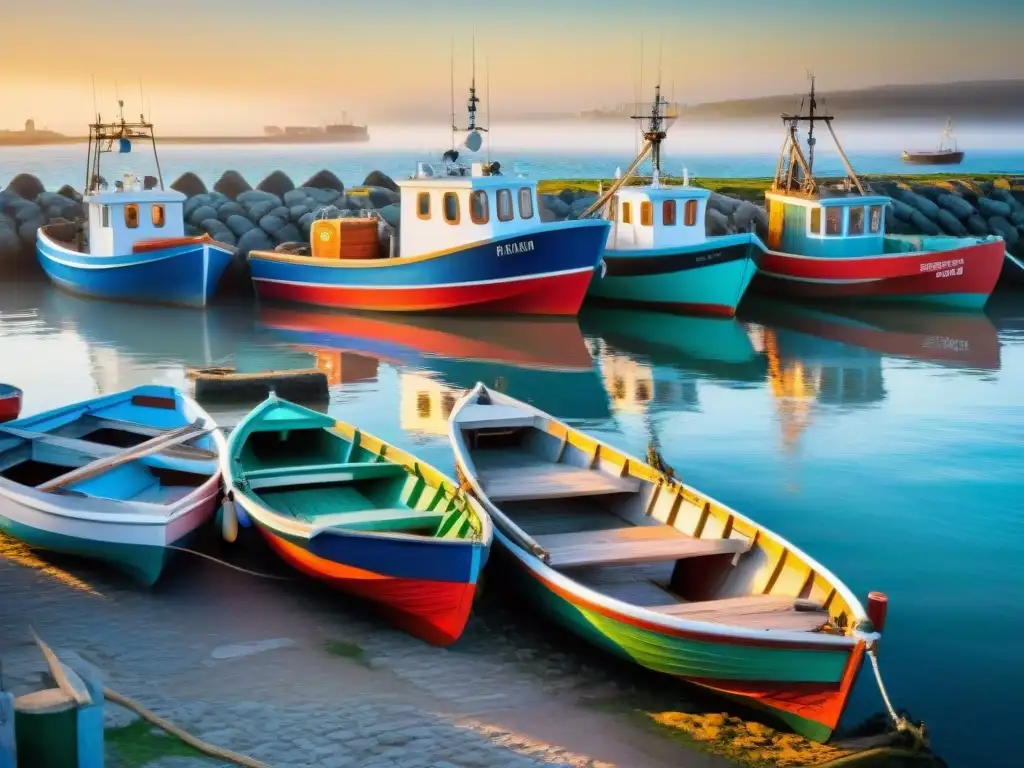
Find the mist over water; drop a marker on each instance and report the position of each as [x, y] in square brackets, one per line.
[567, 149]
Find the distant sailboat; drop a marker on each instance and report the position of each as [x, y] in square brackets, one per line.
[944, 155]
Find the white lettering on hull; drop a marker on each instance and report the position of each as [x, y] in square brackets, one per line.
[510, 249]
[934, 266]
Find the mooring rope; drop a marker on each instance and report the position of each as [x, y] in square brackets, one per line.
[226, 564]
[185, 736]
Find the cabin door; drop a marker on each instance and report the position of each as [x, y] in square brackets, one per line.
[776, 214]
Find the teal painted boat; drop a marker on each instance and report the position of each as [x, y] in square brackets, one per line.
[658, 253]
[650, 569]
[121, 478]
[361, 515]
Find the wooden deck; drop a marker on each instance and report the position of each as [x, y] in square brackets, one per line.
[626, 546]
[752, 612]
[516, 475]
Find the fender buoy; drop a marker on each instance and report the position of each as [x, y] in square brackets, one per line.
[604, 268]
[228, 521]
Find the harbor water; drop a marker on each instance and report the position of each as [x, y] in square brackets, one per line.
[884, 442]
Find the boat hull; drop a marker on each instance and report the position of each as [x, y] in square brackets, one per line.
[709, 279]
[10, 402]
[417, 590]
[933, 158]
[961, 278]
[806, 687]
[139, 550]
[185, 275]
[544, 272]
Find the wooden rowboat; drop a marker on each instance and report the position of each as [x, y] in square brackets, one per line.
[370, 519]
[119, 478]
[658, 573]
[10, 402]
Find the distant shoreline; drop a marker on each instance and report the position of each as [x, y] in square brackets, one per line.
[24, 140]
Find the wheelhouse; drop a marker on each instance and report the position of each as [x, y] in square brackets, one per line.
[118, 220]
[443, 211]
[835, 226]
[657, 217]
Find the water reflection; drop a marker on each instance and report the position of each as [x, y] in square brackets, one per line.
[543, 361]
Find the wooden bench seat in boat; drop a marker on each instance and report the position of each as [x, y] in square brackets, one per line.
[776, 612]
[493, 417]
[635, 544]
[551, 481]
[343, 472]
[379, 520]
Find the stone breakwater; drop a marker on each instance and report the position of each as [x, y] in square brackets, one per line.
[277, 211]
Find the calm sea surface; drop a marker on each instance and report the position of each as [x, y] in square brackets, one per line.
[886, 443]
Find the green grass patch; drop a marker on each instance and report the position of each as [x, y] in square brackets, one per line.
[753, 189]
[347, 651]
[140, 743]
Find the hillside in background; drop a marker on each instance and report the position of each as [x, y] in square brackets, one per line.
[993, 100]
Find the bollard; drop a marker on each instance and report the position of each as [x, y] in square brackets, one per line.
[61, 727]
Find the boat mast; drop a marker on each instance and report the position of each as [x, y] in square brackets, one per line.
[795, 172]
[655, 130]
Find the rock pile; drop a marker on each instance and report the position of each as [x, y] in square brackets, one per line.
[25, 206]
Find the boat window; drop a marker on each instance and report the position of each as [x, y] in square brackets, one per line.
[156, 212]
[856, 223]
[423, 205]
[525, 203]
[627, 214]
[690, 213]
[646, 214]
[104, 215]
[451, 207]
[876, 218]
[834, 221]
[478, 207]
[131, 216]
[668, 213]
[505, 210]
[815, 221]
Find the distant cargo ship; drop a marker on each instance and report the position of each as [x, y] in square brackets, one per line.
[333, 132]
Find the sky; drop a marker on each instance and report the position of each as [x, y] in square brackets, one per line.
[233, 66]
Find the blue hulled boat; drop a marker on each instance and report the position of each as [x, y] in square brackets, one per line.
[121, 478]
[134, 247]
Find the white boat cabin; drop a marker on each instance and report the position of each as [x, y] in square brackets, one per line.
[657, 216]
[120, 219]
[441, 211]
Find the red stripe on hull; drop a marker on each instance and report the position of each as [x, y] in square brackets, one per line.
[822, 703]
[434, 611]
[973, 269]
[544, 295]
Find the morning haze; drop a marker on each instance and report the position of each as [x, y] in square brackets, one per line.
[232, 67]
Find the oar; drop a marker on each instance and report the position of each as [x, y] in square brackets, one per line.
[154, 445]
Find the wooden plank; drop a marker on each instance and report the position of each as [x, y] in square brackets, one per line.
[625, 552]
[377, 519]
[105, 464]
[551, 481]
[101, 449]
[627, 533]
[493, 417]
[776, 612]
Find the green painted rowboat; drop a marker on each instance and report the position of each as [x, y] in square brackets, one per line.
[652, 570]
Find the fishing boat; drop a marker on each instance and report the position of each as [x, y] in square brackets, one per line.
[365, 517]
[637, 563]
[10, 402]
[827, 240]
[123, 478]
[658, 253]
[944, 155]
[471, 240]
[134, 246]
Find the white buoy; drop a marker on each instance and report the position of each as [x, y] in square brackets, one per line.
[228, 521]
[686, 177]
[618, 172]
